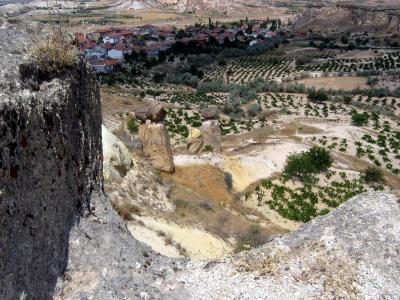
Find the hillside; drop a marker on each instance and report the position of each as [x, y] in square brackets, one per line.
[61, 239]
[350, 17]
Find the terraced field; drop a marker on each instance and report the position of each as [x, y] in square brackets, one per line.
[242, 70]
[388, 61]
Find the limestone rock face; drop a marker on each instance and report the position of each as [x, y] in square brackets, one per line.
[212, 135]
[117, 160]
[195, 141]
[157, 146]
[337, 256]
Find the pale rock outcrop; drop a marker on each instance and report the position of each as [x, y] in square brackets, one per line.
[195, 141]
[154, 113]
[212, 135]
[209, 113]
[351, 253]
[157, 146]
[117, 160]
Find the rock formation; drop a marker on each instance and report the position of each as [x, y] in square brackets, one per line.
[210, 129]
[351, 253]
[195, 141]
[60, 238]
[349, 17]
[117, 160]
[155, 138]
[212, 135]
[157, 146]
[155, 113]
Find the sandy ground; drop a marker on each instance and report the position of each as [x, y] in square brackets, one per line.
[250, 167]
[197, 243]
[345, 83]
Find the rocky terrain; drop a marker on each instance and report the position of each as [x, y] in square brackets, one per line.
[353, 17]
[61, 239]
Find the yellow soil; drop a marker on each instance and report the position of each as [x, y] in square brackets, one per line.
[207, 180]
[345, 83]
[197, 243]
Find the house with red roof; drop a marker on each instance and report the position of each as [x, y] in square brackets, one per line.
[106, 65]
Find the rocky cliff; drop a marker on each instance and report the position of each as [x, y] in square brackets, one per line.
[344, 17]
[60, 238]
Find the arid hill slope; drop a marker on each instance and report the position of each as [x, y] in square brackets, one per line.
[61, 239]
[349, 17]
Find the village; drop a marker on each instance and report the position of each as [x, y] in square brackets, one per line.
[107, 48]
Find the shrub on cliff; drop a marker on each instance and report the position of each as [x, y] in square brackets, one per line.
[54, 54]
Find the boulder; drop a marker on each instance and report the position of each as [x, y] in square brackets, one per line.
[157, 146]
[117, 160]
[195, 141]
[212, 135]
[209, 113]
[155, 113]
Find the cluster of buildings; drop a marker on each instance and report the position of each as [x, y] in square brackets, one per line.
[106, 48]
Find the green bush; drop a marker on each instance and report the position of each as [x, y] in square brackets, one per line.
[208, 148]
[303, 165]
[299, 166]
[317, 95]
[303, 60]
[254, 109]
[133, 126]
[321, 158]
[359, 119]
[373, 175]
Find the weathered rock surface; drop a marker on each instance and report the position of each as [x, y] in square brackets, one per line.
[59, 236]
[209, 113]
[155, 113]
[351, 253]
[117, 160]
[349, 17]
[212, 135]
[157, 146]
[195, 141]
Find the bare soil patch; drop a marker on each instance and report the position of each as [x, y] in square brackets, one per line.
[344, 83]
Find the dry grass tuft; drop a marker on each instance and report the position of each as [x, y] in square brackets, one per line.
[54, 54]
[126, 210]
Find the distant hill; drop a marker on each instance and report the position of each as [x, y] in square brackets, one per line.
[349, 17]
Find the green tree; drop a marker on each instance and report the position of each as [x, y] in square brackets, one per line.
[359, 119]
[317, 95]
